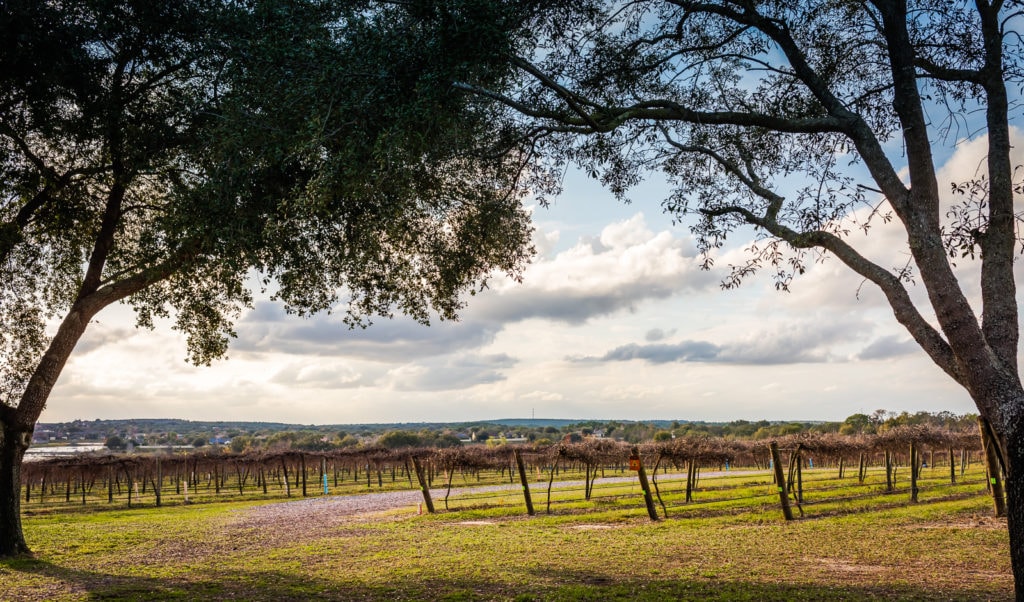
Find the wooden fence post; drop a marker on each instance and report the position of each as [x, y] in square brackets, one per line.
[648, 499]
[423, 484]
[525, 481]
[780, 481]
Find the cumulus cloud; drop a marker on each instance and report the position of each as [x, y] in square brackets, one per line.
[888, 347]
[626, 266]
[269, 329]
[98, 336]
[451, 373]
[793, 344]
[321, 376]
[657, 334]
[685, 351]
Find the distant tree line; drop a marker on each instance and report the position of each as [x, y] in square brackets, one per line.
[263, 437]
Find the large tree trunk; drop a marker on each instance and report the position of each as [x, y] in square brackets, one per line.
[1015, 501]
[16, 425]
[13, 443]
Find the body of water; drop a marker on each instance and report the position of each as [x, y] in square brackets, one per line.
[54, 451]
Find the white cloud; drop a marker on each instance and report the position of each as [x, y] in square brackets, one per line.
[792, 343]
[832, 284]
[542, 396]
[622, 291]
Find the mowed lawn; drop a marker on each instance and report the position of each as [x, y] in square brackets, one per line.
[947, 547]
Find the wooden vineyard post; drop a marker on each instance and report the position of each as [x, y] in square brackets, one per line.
[648, 499]
[780, 481]
[525, 481]
[992, 463]
[128, 480]
[302, 467]
[159, 483]
[952, 468]
[862, 469]
[888, 471]
[423, 484]
[915, 463]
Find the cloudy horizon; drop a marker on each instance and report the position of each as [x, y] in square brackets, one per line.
[614, 319]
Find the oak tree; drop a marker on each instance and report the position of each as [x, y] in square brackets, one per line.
[809, 121]
[171, 154]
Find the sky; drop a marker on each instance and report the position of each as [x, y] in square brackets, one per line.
[614, 319]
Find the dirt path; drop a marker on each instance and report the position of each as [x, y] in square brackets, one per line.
[333, 510]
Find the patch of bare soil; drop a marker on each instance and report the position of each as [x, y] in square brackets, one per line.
[987, 523]
[853, 568]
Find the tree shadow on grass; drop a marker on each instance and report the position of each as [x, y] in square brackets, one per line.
[555, 585]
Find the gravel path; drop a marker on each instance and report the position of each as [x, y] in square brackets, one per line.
[337, 509]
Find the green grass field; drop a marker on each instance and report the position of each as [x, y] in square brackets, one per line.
[853, 543]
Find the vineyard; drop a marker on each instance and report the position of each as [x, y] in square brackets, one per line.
[663, 478]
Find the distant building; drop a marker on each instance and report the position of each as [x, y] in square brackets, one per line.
[44, 436]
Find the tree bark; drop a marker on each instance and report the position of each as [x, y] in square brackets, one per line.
[1015, 506]
[995, 481]
[13, 443]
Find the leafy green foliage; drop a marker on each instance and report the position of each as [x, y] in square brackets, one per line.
[164, 153]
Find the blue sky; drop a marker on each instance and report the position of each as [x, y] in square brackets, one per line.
[614, 320]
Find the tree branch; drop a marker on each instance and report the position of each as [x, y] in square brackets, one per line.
[71, 328]
[903, 307]
[747, 177]
[939, 72]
